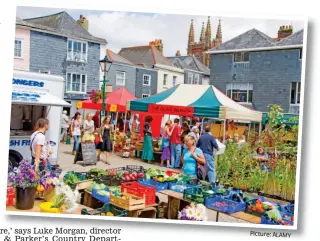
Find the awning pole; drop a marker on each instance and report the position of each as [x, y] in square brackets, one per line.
[260, 128]
[224, 131]
[125, 121]
[115, 132]
[202, 125]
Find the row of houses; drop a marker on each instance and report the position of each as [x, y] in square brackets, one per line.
[252, 68]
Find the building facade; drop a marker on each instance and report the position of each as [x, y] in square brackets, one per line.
[195, 72]
[151, 57]
[60, 46]
[21, 48]
[256, 70]
[205, 42]
[139, 81]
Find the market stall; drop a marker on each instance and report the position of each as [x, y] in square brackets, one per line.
[195, 100]
[116, 103]
[132, 191]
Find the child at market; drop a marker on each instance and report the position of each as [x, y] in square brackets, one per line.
[166, 154]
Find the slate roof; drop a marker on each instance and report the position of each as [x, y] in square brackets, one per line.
[62, 24]
[144, 56]
[189, 62]
[256, 39]
[117, 58]
[294, 39]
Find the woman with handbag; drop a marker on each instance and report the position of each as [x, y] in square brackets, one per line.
[193, 159]
[106, 131]
[76, 132]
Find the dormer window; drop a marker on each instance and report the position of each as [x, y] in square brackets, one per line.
[241, 57]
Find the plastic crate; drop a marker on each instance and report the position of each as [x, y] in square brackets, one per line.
[160, 186]
[266, 220]
[224, 205]
[101, 198]
[220, 191]
[117, 212]
[134, 188]
[108, 180]
[197, 194]
[179, 186]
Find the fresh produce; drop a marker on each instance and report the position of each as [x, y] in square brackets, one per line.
[103, 193]
[97, 172]
[71, 179]
[40, 188]
[96, 186]
[109, 214]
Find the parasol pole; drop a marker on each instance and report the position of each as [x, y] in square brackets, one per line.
[115, 131]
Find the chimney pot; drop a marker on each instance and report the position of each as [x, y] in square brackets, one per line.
[81, 16]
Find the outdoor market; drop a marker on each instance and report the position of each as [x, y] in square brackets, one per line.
[254, 155]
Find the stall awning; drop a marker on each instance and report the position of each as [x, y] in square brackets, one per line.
[195, 100]
[27, 96]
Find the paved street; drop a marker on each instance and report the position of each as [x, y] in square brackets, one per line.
[66, 163]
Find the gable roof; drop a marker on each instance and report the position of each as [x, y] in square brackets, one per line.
[117, 58]
[189, 62]
[294, 39]
[256, 40]
[62, 24]
[144, 55]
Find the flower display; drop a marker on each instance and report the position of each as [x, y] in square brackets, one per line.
[65, 196]
[24, 176]
[95, 96]
[193, 213]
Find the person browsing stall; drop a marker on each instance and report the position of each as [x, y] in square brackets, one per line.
[88, 129]
[40, 148]
[192, 157]
[76, 132]
[147, 151]
[175, 143]
[106, 131]
[207, 143]
[166, 155]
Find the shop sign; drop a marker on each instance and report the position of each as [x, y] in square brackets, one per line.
[25, 97]
[113, 108]
[31, 83]
[171, 110]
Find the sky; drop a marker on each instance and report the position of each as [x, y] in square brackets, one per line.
[124, 29]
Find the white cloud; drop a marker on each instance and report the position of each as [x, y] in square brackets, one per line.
[123, 29]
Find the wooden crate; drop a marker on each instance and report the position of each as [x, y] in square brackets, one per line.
[83, 184]
[90, 201]
[130, 204]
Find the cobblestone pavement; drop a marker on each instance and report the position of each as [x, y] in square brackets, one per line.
[66, 164]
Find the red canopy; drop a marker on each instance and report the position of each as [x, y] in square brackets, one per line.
[116, 101]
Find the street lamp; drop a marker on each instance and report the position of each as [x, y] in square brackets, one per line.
[105, 65]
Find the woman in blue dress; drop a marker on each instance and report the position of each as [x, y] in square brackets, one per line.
[147, 151]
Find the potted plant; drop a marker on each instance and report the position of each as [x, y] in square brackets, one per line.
[25, 180]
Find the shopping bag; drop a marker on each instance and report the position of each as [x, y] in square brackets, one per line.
[222, 148]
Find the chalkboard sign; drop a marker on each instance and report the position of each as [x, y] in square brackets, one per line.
[87, 154]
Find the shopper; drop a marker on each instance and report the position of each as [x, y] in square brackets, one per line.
[40, 147]
[147, 151]
[76, 132]
[88, 129]
[106, 132]
[192, 157]
[195, 133]
[166, 154]
[175, 143]
[207, 143]
[96, 119]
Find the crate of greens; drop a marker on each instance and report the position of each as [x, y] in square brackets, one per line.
[103, 195]
[197, 194]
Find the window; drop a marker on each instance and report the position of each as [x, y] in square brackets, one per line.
[241, 57]
[295, 93]
[174, 80]
[190, 78]
[240, 92]
[300, 53]
[120, 78]
[165, 79]
[146, 79]
[18, 48]
[76, 83]
[77, 51]
[42, 71]
[196, 79]
[145, 95]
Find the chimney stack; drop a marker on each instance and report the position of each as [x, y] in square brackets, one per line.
[83, 22]
[284, 31]
[158, 44]
[178, 53]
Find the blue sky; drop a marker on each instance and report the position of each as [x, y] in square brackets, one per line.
[123, 29]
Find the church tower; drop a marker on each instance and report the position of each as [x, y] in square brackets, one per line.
[219, 34]
[208, 35]
[191, 38]
[203, 33]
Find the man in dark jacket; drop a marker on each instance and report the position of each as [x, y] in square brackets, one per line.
[207, 143]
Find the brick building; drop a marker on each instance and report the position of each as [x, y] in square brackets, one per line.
[257, 70]
[198, 49]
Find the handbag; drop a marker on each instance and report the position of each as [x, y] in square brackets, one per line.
[202, 170]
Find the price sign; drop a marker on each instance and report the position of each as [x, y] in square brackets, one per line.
[113, 108]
